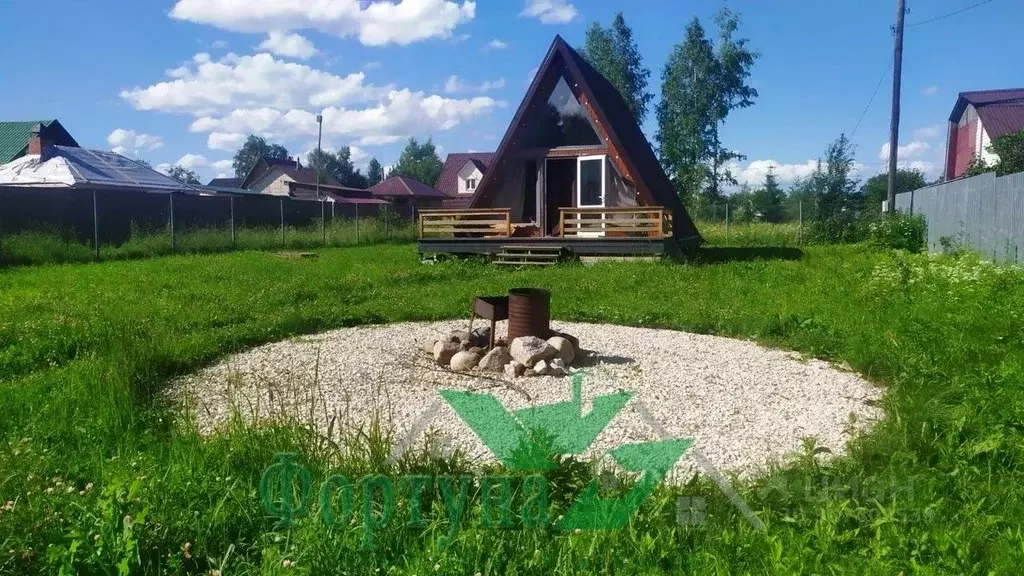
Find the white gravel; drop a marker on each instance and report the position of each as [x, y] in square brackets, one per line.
[746, 406]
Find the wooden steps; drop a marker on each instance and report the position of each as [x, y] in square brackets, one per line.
[527, 255]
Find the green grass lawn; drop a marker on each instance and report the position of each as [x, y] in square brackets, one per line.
[101, 479]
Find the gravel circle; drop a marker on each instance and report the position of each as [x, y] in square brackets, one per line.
[746, 406]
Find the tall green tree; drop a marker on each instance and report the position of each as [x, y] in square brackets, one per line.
[614, 53]
[1010, 150]
[686, 113]
[701, 85]
[183, 175]
[254, 148]
[833, 182]
[876, 189]
[374, 173]
[419, 162]
[348, 174]
[768, 200]
[324, 165]
[336, 167]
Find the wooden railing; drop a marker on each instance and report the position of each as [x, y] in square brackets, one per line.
[633, 222]
[487, 223]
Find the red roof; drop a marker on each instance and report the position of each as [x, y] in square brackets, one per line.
[404, 186]
[1001, 111]
[448, 182]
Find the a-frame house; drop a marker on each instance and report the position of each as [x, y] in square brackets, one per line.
[573, 171]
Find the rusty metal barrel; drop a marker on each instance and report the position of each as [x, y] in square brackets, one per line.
[529, 313]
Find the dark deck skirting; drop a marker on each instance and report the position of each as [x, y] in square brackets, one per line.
[578, 246]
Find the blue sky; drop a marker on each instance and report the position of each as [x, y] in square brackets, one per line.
[182, 81]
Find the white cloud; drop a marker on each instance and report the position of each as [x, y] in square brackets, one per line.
[249, 81]
[229, 141]
[374, 65]
[198, 162]
[928, 132]
[219, 44]
[401, 114]
[130, 143]
[375, 23]
[288, 44]
[909, 151]
[532, 74]
[496, 44]
[454, 85]
[754, 173]
[930, 90]
[550, 11]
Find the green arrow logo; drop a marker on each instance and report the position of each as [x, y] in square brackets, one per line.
[528, 439]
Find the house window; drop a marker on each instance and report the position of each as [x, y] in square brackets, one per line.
[470, 184]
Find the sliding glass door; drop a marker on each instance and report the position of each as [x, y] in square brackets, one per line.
[590, 193]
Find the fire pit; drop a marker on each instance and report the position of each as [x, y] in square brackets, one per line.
[529, 313]
[493, 308]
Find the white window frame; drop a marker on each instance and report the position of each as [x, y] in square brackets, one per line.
[604, 185]
[470, 188]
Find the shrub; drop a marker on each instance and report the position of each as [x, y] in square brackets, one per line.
[899, 231]
[839, 229]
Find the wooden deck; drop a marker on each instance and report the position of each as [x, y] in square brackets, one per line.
[640, 231]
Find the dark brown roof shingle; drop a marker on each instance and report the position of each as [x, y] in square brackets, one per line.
[448, 182]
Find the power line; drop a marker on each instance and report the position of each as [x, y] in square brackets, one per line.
[944, 16]
[871, 100]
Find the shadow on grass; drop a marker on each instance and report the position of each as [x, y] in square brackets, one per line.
[723, 255]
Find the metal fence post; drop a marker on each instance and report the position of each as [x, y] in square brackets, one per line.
[282, 221]
[387, 223]
[173, 247]
[1, 228]
[95, 227]
[726, 221]
[323, 227]
[357, 223]
[232, 201]
[800, 228]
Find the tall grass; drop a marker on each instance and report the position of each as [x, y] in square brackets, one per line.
[34, 247]
[102, 477]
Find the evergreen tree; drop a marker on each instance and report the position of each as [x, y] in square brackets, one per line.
[614, 53]
[769, 199]
[374, 173]
[419, 162]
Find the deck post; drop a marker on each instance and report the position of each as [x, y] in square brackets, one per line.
[508, 224]
[561, 222]
[661, 223]
[421, 225]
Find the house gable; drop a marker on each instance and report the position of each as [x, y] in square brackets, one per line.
[275, 181]
[469, 177]
[623, 141]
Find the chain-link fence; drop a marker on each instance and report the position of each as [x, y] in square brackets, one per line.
[60, 225]
[741, 224]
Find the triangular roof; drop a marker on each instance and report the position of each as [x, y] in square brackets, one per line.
[72, 167]
[1000, 111]
[448, 181]
[14, 137]
[404, 186]
[266, 164]
[631, 152]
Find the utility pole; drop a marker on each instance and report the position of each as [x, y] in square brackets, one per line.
[894, 128]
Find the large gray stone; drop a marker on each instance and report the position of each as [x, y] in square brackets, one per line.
[566, 351]
[443, 352]
[541, 368]
[464, 361]
[528, 350]
[495, 360]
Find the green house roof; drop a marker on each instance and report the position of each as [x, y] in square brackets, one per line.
[14, 137]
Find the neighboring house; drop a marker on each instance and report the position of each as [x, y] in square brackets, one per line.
[225, 183]
[273, 176]
[404, 191]
[573, 171]
[977, 119]
[461, 175]
[47, 165]
[14, 137]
